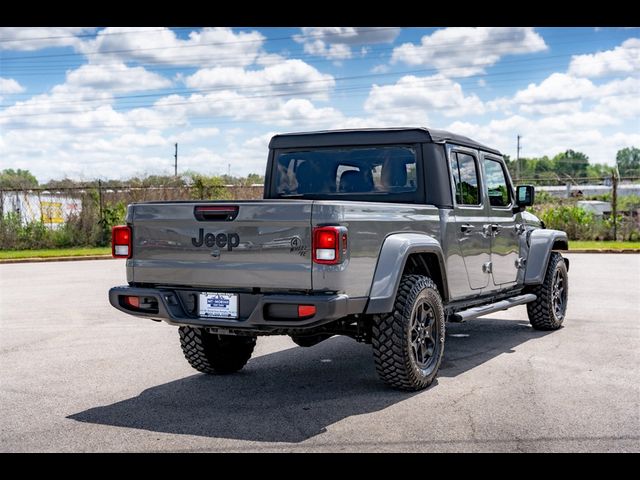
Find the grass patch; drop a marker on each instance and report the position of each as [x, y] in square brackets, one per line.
[577, 244]
[80, 252]
[54, 252]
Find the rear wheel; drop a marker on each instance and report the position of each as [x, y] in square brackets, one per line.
[408, 343]
[547, 312]
[213, 353]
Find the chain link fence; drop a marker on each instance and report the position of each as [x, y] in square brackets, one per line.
[83, 216]
[598, 208]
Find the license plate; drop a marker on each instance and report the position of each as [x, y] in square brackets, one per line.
[218, 305]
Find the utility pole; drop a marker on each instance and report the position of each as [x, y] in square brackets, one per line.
[614, 201]
[175, 165]
[229, 170]
[518, 159]
[100, 199]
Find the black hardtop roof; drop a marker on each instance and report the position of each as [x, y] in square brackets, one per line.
[368, 136]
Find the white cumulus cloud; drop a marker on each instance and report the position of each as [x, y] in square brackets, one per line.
[9, 86]
[625, 58]
[116, 78]
[550, 135]
[335, 42]
[563, 93]
[422, 95]
[465, 51]
[287, 76]
[208, 46]
[37, 38]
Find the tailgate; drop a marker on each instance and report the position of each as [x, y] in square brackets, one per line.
[264, 243]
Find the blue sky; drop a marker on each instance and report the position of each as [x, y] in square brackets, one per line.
[110, 103]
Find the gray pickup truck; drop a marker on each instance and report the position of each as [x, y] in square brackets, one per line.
[382, 235]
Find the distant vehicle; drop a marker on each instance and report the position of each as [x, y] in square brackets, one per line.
[380, 235]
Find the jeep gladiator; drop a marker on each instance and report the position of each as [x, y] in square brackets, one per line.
[382, 235]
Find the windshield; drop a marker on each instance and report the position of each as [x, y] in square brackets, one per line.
[348, 171]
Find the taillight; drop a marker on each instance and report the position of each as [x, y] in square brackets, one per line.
[306, 311]
[132, 301]
[139, 304]
[329, 245]
[121, 241]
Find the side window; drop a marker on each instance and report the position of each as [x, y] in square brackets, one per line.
[465, 175]
[496, 183]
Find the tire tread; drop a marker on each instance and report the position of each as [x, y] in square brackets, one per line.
[215, 354]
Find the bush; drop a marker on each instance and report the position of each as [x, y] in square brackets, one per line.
[87, 228]
[205, 187]
[578, 223]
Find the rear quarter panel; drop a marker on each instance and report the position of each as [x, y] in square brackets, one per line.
[368, 225]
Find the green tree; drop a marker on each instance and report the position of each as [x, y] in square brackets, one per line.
[17, 179]
[628, 161]
[254, 178]
[205, 187]
[571, 164]
[64, 183]
[599, 170]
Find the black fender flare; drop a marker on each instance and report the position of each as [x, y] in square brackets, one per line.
[541, 243]
[394, 253]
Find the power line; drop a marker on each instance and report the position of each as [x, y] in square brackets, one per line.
[207, 120]
[226, 43]
[302, 82]
[94, 34]
[266, 87]
[146, 30]
[13, 70]
[456, 44]
[197, 102]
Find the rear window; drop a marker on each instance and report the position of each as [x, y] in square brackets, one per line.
[384, 173]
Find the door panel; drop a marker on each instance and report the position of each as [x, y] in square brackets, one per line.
[502, 222]
[470, 216]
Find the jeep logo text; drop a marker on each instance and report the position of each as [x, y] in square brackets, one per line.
[220, 240]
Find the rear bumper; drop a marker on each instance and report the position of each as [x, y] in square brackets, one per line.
[173, 310]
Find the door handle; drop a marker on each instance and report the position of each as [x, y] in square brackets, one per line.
[466, 227]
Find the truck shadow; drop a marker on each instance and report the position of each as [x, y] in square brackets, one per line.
[295, 394]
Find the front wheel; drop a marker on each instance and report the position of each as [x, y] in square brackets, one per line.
[547, 312]
[408, 343]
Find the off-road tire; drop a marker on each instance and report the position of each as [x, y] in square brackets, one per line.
[215, 354]
[393, 352]
[542, 312]
[310, 340]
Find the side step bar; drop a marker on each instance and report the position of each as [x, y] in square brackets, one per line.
[474, 312]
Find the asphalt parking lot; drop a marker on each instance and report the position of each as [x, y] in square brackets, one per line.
[77, 375]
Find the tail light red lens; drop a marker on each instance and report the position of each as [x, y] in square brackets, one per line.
[121, 241]
[132, 301]
[306, 311]
[329, 245]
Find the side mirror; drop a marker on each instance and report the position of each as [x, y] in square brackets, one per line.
[525, 195]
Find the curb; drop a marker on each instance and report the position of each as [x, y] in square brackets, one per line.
[57, 259]
[602, 250]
